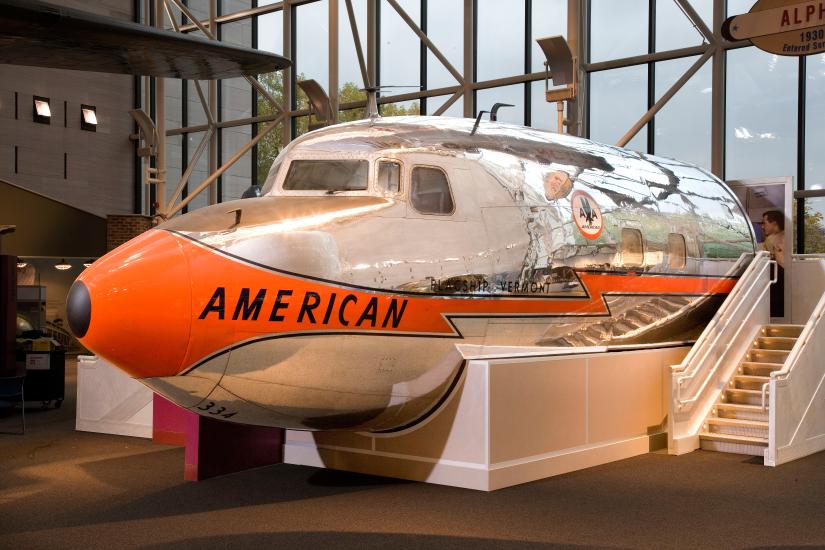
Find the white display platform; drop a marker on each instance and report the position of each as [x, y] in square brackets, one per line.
[518, 415]
[109, 401]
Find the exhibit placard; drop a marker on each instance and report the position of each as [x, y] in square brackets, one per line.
[781, 27]
[37, 361]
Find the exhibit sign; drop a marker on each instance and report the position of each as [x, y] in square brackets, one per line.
[37, 361]
[781, 27]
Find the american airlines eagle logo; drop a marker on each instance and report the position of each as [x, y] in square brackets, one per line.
[587, 215]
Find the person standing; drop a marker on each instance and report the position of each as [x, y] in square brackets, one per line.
[773, 228]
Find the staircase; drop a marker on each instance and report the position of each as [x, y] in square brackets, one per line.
[737, 423]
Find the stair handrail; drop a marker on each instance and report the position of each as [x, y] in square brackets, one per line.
[706, 343]
[802, 341]
[703, 338]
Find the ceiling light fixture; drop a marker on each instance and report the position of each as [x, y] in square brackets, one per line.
[62, 265]
[22, 265]
[88, 263]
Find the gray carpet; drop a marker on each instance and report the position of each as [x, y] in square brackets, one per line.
[65, 489]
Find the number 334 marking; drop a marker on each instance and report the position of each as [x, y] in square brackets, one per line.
[220, 411]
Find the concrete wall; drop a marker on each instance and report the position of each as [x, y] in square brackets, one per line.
[47, 227]
[99, 175]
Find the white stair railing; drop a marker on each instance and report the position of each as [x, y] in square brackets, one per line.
[797, 395]
[697, 381]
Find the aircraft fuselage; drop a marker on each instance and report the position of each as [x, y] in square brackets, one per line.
[338, 299]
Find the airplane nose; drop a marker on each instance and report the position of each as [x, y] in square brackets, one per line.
[142, 306]
[78, 309]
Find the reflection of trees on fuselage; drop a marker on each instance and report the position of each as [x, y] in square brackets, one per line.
[272, 143]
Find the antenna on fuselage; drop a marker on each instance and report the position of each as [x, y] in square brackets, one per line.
[493, 114]
[372, 98]
[372, 102]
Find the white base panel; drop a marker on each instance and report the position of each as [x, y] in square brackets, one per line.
[110, 402]
[466, 475]
[799, 450]
[683, 445]
[513, 420]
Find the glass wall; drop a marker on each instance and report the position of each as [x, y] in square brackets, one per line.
[499, 40]
[350, 81]
[270, 37]
[683, 127]
[673, 29]
[639, 48]
[814, 168]
[618, 98]
[814, 225]
[618, 29]
[633, 51]
[445, 27]
[814, 117]
[760, 130]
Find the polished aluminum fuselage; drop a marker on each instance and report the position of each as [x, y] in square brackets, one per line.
[507, 239]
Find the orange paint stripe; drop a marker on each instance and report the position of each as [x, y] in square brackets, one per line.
[338, 308]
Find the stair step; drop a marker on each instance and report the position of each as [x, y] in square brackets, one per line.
[748, 440]
[766, 355]
[754, 368]
[748, 382]
[740, 411]
[738, 406]
[743, 396]
[739, 444]
[783, 330]
[737, 422]
[736, 427]
[736, 447]
[775, 342]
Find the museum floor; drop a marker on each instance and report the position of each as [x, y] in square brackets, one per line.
[65, 489]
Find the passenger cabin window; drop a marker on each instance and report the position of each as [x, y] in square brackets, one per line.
[389, 176]
[327, 175]
[430, 193]
[676, 251]
[632, 250]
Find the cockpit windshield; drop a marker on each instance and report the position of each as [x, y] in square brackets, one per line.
[327, 175]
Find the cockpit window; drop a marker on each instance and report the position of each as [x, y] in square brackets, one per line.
[430, 193]
[327, 175]
[389, 176]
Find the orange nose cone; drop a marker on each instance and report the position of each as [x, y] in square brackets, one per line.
[133, 306]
